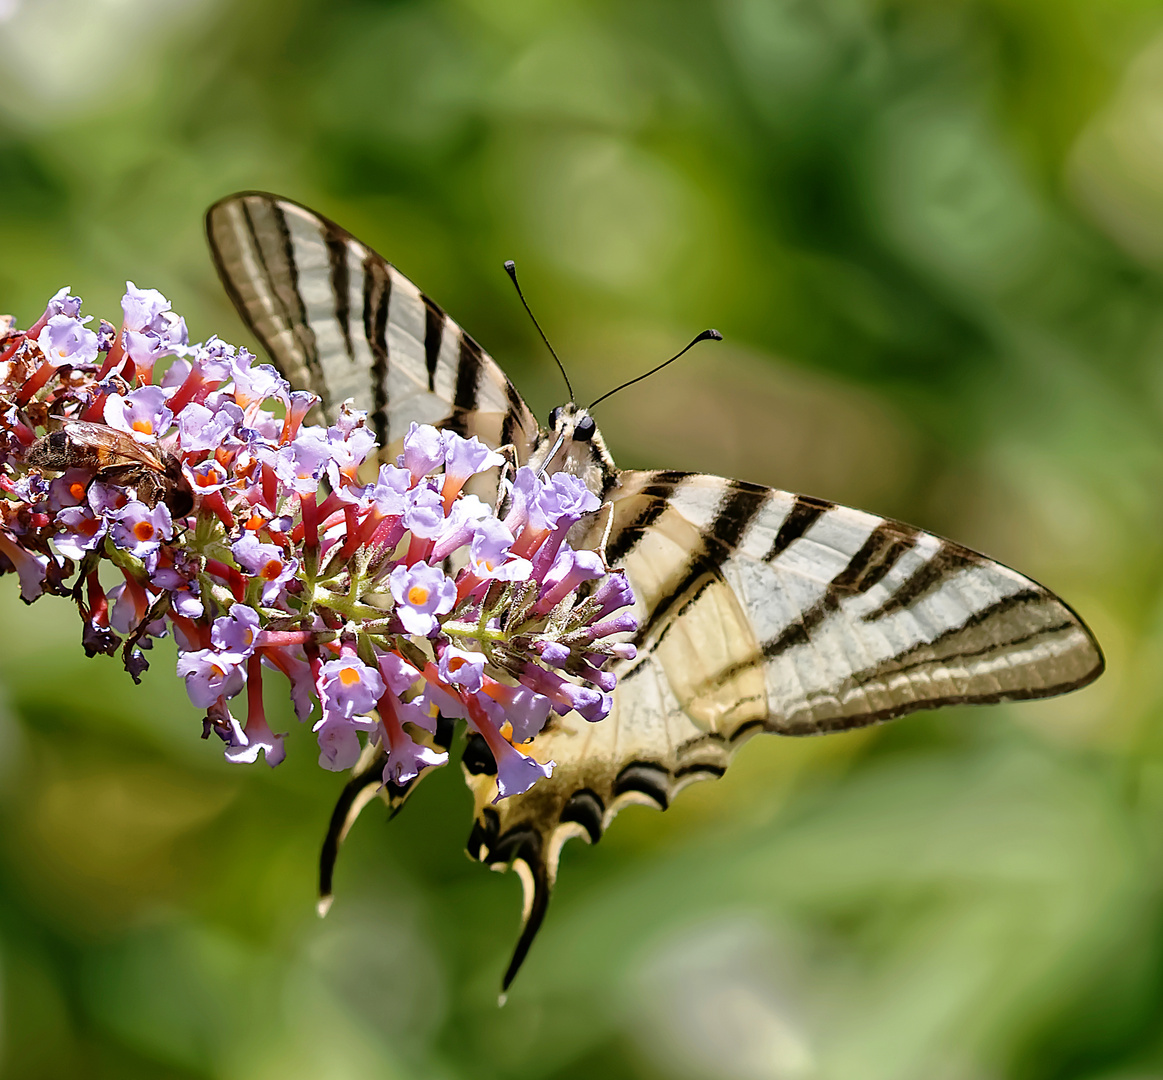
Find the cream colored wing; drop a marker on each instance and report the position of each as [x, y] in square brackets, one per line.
[765, 611]
[339, 320]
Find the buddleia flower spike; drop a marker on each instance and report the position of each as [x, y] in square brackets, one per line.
[198, 502]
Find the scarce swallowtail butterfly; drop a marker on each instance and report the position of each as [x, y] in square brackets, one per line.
[759, 610]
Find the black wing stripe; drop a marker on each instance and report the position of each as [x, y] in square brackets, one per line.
[985, 697]
[778, 644]
[468, 375]
[879, 553]
[624, 538]
[291, 297]
[585, 807]
[647, 778]
[948, 559]
[274, 301]
[377, 294]
[877, 556]
[230, 279]
[803, 514]
[512, 424]
[433, 338]
[337, 251]
[736, 510]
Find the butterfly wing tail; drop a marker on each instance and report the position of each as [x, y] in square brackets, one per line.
[367, 781]
[365, 784]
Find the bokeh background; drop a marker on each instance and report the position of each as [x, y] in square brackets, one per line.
[931, 232]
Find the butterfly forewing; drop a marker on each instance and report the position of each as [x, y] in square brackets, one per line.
[342, 322]
[758, 610]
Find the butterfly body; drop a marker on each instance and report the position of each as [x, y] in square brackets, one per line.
[758, 610]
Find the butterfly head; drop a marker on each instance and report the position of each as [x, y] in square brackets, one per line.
[573, 444]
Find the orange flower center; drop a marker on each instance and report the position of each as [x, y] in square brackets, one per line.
[417, 595]
[349, 676]
[144, 426]
[271, 570]
[143, 530]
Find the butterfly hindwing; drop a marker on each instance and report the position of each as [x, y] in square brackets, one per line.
[762, 611]
[339, 320]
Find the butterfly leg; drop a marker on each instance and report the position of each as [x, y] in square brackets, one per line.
[509, 453]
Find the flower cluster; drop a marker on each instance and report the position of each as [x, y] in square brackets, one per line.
[259, 541]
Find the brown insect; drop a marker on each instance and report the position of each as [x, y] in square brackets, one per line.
[116, 457]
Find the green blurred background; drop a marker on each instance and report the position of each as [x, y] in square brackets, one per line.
[931, 232]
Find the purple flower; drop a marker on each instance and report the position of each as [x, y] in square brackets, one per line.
[613, 593]
[201, 428]
[301, 463]
[257, 736]
[236, 631]
[339, 746]
[63, 304]
[211, 674]
[489, 553]
[350, 445]
[407, 758]
[207, 476]
[69, 488]
[307, 567]
[390, 490]
[83, 531]
[180, 581]
[464, 457]
[348, 687]
[423, 451]
[424, 512]
[525, 710]
[463, 668]
[264, 561]
[399, 676]
[152, 330]
[421, 593]
[553, 653]
[30, 568]
[140, 529]
[64, 340]
[301, 678]
[141, 413]
[460, 526]
[570, 569]
[255, 383]
[587, 702]
[567, 496]
[143, 308]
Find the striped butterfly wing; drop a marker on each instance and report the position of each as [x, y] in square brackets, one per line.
[339, 320]
[761, 611]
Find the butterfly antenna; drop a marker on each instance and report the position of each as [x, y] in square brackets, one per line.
[706, 335]
[511, 270]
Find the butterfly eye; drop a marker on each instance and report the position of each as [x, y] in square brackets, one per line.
[553, 418]
[584, 429]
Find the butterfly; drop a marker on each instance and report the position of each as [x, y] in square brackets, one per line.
[758, 610]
